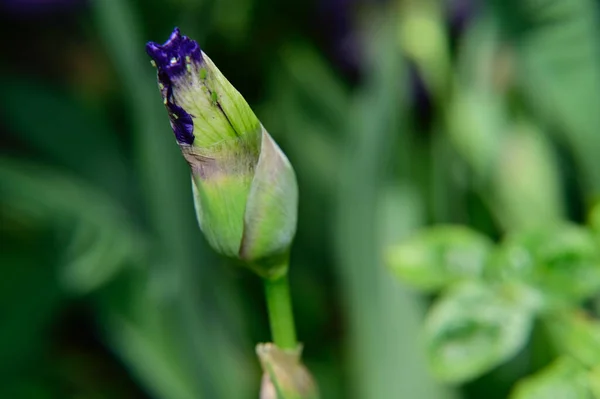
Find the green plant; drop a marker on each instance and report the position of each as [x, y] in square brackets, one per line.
[488, 298]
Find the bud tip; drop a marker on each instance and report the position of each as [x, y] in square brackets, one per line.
[173, 59]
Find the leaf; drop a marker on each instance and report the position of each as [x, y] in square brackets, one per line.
[65, 131]
[425, 19]
[316, 82]
[594, 381]
[400, 211]
[558, 64]
[561, 263]
[439, 256]
[478, 114]
[99, 237]
[96, 252]
[30, 296]
[576, 335]
[594, 220]
[147, 338]
[377, 308]
[305, 129]
[526, 186]
[512, 158]
[563, 379]
[472, 329]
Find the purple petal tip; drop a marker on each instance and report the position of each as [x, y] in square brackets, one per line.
[171, 59]
[182, 124]
[172, 56]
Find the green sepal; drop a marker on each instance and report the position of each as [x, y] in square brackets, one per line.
[271, 208]
[284, 375]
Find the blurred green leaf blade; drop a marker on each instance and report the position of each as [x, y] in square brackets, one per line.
[561, 263]
[63, 129]
[436, 257]
[472, 329]
[99, 238]
[558, 68]
[576, 335]
[563, 379]
[526, 181]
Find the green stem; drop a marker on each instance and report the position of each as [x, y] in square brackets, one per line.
[281, 317]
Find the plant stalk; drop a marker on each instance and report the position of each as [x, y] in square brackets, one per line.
[281, 317]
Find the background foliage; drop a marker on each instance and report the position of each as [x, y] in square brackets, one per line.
[447, 155]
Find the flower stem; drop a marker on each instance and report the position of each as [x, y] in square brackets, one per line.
[281, 317]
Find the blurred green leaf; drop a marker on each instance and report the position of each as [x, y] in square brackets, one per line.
[30, 295]
[558, 64]
[29, 388]
[141, 328]
[526, 181]
[64, 130]
[577, 335]
[436, 257]
[477, 112]
[561, 263]
[564, 379]
[378, 365]
[423, 37]
[232, 18]
[97, 252]
[400, 212]
[472, 329]
[316, 83]
[594, 219]
[513, 160]
[140, 322]
[594, 381]
[99, 237]
[305, 129]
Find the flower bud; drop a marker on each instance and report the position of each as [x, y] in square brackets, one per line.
[284, 376]
[245, 189]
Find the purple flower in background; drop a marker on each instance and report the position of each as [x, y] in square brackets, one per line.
[460, 13]
[339, 32]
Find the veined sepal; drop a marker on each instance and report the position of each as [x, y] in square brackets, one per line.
[284, 375]
[249, 212]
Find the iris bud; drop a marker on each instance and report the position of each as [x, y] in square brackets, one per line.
[244, 187]
[284, 376]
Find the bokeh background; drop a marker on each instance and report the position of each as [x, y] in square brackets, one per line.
[396, 114]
